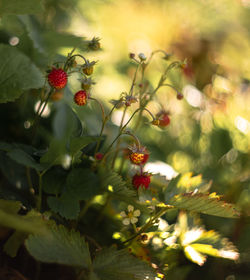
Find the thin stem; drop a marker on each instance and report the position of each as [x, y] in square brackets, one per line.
[134, 79]
[39, 201]
[84, 209]
[29, 179]
[168, 85]
[119, 142]
[71, 57]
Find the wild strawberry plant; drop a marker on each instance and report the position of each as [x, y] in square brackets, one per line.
[91, 203]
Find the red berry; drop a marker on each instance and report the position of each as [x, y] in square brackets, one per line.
[179, 96]
[164, 120]
[98, 156]
[57, 78]
[80, 98]
[142, 180]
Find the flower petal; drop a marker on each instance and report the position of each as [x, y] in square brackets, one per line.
[133, 220]
[130, 208]
[123, 214]
[126, 221]
[137, 213]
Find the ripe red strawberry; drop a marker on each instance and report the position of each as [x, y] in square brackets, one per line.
[98, 156]
[80, 98]
[141, 180]
[164, 120]
[57, 78]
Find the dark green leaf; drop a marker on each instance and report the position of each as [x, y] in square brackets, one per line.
[20, 7]
[78, 143]
[66, 123]
[111, 178]
[54, 181]
[67, 206]
[60, 246]
[82, 184]
[17, 74]
[112, 264]
[25, 159]
[55, 153]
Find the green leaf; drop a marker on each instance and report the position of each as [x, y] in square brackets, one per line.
[54, 40]
[82, 184]
[20, 7]
[13, 244]
[54, 181]
[55, 153]
[9, 206]
[66, 206]
[25, 159]
[112, 264]
[66, 123]
[111, 178]
[60, 246]
[17, 74]
[209, 204]
[31, 223]
[78, 143]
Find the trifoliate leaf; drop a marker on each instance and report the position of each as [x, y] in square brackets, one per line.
[111, 178]
[204, 203]
[66, 206]
[112, 264]
[82, 184]
[17, 74]
[60, 246]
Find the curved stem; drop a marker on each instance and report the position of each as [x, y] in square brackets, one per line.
[39, 114]
[168, 85]
[101, 106]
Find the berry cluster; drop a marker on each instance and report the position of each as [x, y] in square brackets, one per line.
[138, 155]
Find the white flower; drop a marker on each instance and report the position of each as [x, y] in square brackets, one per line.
[131, 217]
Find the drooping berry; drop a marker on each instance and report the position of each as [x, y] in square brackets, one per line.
[179, 96]
[88, 67]
[162, 120]
[80, 98]
[57, 78]
[141, 180]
